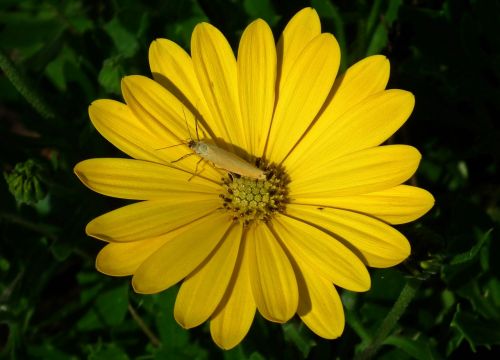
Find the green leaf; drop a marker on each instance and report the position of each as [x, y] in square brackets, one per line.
[471, 255]
[188, 352]
[4, 264]
[476, 330]
[29, 31]
[419, 348]
[261, 9]
[109, 310]
[48, 351]
[236, 353]
[482, 301]
[386, 284]
[161, 307]
[57, 69]
[256, 356]
[111, 74]
[107, 352]
[61, 250]
[494, 291]
[77, 17]
[126, 43]
[298, 335]
[379, 37]
[465, 267]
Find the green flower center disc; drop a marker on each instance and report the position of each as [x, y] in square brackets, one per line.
[249, 199]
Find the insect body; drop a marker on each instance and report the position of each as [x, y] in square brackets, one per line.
[221, 158]
[225, 160]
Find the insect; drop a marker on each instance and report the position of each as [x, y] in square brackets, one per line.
[221, 158]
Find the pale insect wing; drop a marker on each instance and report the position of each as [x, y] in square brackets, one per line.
[231, 162]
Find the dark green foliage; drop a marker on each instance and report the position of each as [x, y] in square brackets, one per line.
[55, 305]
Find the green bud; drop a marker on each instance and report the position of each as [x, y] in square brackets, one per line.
[25, 182]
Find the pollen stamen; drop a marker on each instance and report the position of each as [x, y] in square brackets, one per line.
[250, 200]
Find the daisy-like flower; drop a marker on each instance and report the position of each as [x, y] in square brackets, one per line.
[282, 244]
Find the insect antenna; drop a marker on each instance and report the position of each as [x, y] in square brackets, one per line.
[196, 127]
[187, 126]
[166, 147]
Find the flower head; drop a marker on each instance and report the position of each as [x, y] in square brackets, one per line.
[282, 243]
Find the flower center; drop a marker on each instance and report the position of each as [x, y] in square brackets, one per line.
[250, 200]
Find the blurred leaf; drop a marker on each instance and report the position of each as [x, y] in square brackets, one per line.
[180, 30]
[419, 348]
[161, 307]
[75, 13]
[379, 37]
[256, 356]
[482, 301]
[47, 351]
[61, 250]
[494, 291]
[299, 336]
[4, 264]
[235, 353]
[477, 331]
[464, 267]
[386, 284]
[109, 310]
[29, 31]
[111, 74]
[57, 69]
[107, 352]
[125, 42]
[88, 292]
[188, 352]
[261, 9]
[473, 252]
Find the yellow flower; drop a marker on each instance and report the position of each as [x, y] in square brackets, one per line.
[281, 244]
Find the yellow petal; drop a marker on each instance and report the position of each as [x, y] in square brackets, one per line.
[366, 77]
[155, 107]
[122, 259]
[179, 256]
[375, 242]
[235, 314]
[273, 280]
[140, 180]
[323, 253]
[300, 30]
[302, 95]
[161, 112]
[216, 70]
[169, 119]
[257, 82]
[362, 172]
[173, 68]
[151, 218]
[201, 292]
[397, 205]
[121, 127]
[320, 307]
[367, 124]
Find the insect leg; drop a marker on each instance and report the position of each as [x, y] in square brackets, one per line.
[196, 169]
[182, 157]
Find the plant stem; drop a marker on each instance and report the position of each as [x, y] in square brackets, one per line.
[23, 86]
[44, 229]
[405, 297]
[144, 327]
[354, 322]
